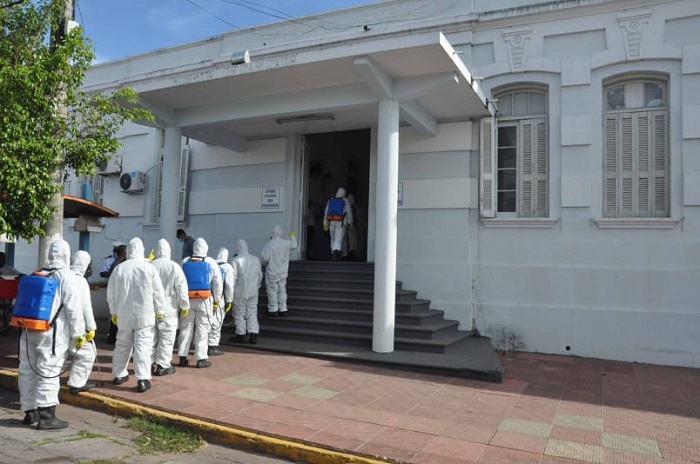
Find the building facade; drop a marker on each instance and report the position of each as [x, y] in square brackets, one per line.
[530, 167]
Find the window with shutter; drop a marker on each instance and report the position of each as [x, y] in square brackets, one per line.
[636, 151]
[182, 189]
[521, 161]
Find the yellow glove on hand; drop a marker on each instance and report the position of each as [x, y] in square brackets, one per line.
[216, 306]
[89, 335]
[184, 313]
[227, 308]
[79, 342]
[160, 315]
[325, 228]
[292, 234]
[113, 318]
[151, 255]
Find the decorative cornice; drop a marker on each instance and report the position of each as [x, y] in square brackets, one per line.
[516, 42]
[633, 25]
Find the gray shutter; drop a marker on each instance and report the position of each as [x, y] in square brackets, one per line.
[660, 160]
[526, 189]
[626, 197]
[182, 191]
[541, 170]
[533, 169]
[487, 184]
[610, 155]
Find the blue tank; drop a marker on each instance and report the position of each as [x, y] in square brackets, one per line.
[197, 275]
[35, 296]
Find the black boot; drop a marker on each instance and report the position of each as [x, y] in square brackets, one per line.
[30, 417]
[183, 361]
[253, 339]
[336, 255]
[49, 421]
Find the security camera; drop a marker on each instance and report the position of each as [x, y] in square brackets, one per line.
[240, 57]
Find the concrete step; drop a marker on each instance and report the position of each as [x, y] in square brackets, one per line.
[344, 293]
[359, 284]
[412, 306]
[367, 315]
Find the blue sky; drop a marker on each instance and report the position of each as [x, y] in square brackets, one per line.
[122, 28]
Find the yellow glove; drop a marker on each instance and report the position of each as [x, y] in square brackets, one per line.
[89, 335]
[79, 342]
[227, 308]
[292, 234]
[151, 255]
[113, 318]
[216, 306]
[184, 313]
[160, 315]
[325, 228]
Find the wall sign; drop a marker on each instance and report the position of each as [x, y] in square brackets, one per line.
[270, 198]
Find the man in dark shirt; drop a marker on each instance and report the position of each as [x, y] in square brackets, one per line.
[187, 243]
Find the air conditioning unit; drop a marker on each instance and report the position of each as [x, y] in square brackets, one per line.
[110, 166]
[133, 182]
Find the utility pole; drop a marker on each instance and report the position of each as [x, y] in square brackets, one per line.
[54, 227]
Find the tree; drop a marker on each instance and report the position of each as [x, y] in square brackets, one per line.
[47, 123]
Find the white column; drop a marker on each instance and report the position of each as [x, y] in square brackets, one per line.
[170, 185]
[386, 216]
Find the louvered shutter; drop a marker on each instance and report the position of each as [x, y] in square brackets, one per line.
[660, 160]
[610, 165]
[182, 191]
[533, 168]
[636, 164]
[487, 185]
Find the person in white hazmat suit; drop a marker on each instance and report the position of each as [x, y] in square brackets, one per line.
[84, 358]
[177, 304]
[42, 353]
[134, 295]
[218, 319]
[247, 278]
[202, 308]
[336, 218]
[275, 258]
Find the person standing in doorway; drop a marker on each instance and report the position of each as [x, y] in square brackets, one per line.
[204, 285]
[336, 218]
[176, 302]
[275, 258]
[247, 278]
[134, 295]
[187, 243]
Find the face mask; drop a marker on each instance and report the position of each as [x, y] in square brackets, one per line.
[180, 239]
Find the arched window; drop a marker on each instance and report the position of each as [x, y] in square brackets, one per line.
[636, 154]
[522, 153]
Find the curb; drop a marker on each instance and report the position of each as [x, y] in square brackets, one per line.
[223, 434]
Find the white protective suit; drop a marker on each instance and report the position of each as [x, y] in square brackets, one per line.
[201, 313]
[247, 277]
[84, 358]
[227, 278]
[41, 354]
[175, 290]
[337, 228]
[135, 295]
[275, 258]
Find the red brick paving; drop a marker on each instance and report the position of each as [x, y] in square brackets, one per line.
[425, 419]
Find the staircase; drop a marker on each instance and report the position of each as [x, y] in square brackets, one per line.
[332, 302]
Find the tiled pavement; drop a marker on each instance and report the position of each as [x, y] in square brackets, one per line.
[549, 409]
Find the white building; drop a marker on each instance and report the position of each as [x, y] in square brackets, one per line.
[578, 233]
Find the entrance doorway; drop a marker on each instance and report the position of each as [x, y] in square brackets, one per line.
[333, 160]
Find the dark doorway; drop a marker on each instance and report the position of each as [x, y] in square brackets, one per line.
[333, 160]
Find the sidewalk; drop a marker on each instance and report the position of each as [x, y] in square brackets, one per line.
[549, 409]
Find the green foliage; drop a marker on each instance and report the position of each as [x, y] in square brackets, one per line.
[47, 123]
[159, 438]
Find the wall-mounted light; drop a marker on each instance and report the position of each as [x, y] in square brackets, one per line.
[306, 117]
[240, 57]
